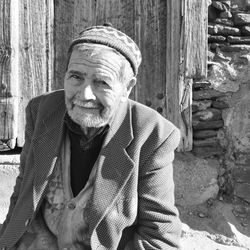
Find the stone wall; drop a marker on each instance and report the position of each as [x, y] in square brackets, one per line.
[221, 102]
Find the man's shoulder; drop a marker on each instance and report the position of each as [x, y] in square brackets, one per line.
[147, 116]
[151, 129]
[51, 97]
[44, 104]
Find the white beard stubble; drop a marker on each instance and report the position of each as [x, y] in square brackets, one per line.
[89, 118]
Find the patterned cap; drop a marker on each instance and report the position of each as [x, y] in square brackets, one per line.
[113, 38]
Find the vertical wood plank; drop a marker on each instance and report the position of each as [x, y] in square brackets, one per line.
[36, 54]
[64, 31]
[8, 74]
[150, 34]
[195, 44]
[14, 76]
[84, 15]
[119, 13]
[49, 36]
[6, 109]
[5, 47]
[173, 29]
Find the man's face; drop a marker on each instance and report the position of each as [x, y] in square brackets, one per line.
[93, 90]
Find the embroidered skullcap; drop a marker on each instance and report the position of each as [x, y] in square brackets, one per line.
[111, 37]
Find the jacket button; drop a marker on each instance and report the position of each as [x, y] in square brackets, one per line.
[71, 205]
[27, 222]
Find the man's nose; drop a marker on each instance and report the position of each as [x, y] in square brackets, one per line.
[87, 91]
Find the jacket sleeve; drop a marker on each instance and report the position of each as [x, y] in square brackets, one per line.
[158, 225]
[28, 135]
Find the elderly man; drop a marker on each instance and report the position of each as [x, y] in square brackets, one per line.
[96, 168]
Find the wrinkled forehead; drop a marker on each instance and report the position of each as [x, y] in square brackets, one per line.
[96, 58]
[95, 52]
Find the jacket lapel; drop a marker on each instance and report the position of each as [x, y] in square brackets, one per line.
[114, 166]
[47, 148]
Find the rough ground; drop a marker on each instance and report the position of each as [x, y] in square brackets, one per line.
[216, 225]
[208, 223]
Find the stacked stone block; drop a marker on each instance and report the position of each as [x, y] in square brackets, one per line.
[228, 28]
[207, 119]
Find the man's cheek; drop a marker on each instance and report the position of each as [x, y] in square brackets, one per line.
[70, 93]
[69, 101]
[107, 100]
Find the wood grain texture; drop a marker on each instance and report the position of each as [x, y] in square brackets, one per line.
[8, 72]
[49, 37]
[63, 34]
[32, 48]
[173, 30]
[5, 48]
[195, 44]
[150, 34]
[36, 49]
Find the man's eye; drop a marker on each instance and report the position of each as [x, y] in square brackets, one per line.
[75, 77]
[102, 83]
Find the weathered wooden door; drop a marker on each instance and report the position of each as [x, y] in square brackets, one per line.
[170, 33]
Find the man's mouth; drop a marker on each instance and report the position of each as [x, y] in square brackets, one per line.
[86, 105]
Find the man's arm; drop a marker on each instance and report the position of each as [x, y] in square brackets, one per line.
[158, 225]
[28, 135]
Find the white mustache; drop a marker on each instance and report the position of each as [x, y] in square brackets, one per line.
[86, 104]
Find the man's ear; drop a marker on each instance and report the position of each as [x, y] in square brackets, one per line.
[130, 85]
[128, 89]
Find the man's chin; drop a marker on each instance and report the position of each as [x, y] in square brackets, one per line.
[86, 120]
[90, 123]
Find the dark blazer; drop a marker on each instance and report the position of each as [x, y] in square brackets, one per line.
[133, 196]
